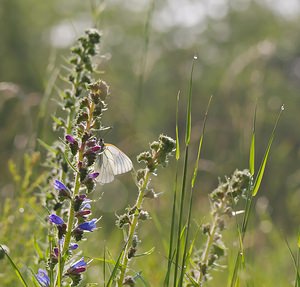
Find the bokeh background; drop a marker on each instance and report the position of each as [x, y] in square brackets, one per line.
[248, 52]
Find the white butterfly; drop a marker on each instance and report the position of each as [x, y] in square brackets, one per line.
[112, 161]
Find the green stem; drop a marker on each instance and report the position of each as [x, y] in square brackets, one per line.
[132, 228]
[71, 216]
[209, 242]
[181, 214]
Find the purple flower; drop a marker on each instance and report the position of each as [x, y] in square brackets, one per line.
[88, 225]
[63, 191]
[73, 246]
[42, 278]
[77, 267]
[84, 211]
[70, 139]
[59, 185]
[96, 148]
[56, 251]
[56, 219]
[93, 175]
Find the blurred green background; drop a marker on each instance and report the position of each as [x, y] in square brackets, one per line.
[248, 52]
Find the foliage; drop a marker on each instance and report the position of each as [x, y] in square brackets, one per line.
[247, 55]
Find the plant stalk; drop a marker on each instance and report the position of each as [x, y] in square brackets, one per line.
[132, 228]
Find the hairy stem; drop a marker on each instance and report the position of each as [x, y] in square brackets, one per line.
[71, 216]
[209, 242]
[132, 228]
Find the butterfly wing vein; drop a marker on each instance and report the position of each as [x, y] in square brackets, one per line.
[112, 162]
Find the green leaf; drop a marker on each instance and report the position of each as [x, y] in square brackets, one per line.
[47, 147]
[139, 276]
[177, 132]
[200, 144]
[145, 253]
[58, 121]
[70, 164]
[172, 230]
[19, 275]
[252, 155]
[297, 281]
[252, 147]
[262, 167]
[37, 248]
[114, 271]
[189, 107]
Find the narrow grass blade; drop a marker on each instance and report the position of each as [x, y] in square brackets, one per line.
[16, 269]
[187, 141]
[200, 144]
[104, 264]
[184, 256]
[114, 271]
[189, 108]
[181, 215]
[139, 276]
[172, 231]
[173, 218]
[37, 248]
[252, 147]
[33, 279]
[177, 130]
[265, 159]
[297, 281]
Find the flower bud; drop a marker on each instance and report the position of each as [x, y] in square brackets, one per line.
[98, 91]
[144, 215]
[83, 172]
[93, 35]
[131, 252]
[129, 281]
[82, 117]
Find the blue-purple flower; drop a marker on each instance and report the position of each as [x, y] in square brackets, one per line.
[93, 175]
[88, 225]
[63, 191]
[56, 219]
[84, 211]
[73, 144]
[73, 246]
[43, 278]
[60, 224]
[58, 185]
[70, 139]
[78, 267]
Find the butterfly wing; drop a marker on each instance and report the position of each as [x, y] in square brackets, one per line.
[105, 167]
[122, 162]
[112, 162]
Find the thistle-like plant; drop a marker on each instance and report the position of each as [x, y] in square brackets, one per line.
[71, 160]
[157, 156]
[222, 203]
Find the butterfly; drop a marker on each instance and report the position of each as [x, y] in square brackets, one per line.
[112, 161]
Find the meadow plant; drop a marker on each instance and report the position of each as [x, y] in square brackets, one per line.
[80, 159]
[222, 204]
[71, 160]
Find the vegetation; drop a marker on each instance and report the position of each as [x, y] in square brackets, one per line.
[68, 217]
